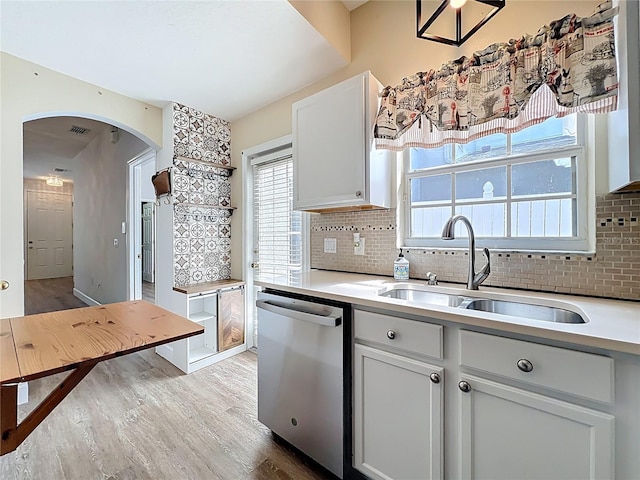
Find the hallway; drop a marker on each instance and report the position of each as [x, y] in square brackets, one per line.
[50, 295]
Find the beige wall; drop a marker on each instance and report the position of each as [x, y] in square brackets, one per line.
[29, 91]
[332, 19]
[383, 40]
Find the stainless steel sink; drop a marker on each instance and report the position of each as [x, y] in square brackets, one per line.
[420, 294]
[523, 310]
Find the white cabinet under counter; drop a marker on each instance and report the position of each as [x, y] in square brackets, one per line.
[335, 164]
[219, 307]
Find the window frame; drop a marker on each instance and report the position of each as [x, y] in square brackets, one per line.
[582, 242]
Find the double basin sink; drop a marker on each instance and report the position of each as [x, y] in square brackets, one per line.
[423, 294]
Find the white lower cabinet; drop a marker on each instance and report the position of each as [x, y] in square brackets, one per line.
[398, 398]
[509, 433]
[219, 308]
[397, 416]
[515, 409]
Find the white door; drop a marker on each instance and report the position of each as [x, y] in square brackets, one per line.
[508, 433]
[147, 242]
[397, 416]
[49, 235]
[276, 240]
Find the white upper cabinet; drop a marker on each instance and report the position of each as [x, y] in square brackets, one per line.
[624, 123]
[335, 163]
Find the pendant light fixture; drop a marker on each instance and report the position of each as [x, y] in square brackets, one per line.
[54, 181]
[454, 21]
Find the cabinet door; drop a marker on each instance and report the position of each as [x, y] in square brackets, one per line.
[397, 416]
[329, 146]
[231, 319]
[509, 433]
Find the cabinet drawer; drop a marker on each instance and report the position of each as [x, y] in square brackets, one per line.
[399, 333]
[577, 373]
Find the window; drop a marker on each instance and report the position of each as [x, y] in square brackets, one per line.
[278, 228]
[525, 190]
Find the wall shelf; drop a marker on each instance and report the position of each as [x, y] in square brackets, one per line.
[229, 168]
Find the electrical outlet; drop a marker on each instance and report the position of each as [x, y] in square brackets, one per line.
[330, 245]
[358, 247]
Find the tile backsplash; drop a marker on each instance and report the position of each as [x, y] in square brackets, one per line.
[613, 271]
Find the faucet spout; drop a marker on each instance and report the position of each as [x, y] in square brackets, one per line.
[473, 279]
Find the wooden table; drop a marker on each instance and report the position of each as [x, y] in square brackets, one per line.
[37, 346]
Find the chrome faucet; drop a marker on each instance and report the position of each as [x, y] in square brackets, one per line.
[474, 279]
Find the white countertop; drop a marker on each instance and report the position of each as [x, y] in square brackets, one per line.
[611, 324]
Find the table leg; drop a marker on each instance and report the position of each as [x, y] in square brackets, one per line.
[16, 433]
[8, 417]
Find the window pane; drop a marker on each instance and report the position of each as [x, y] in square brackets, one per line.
[487, 220]
[431, 189]
[428, 222]
[543, 218]
[544, 177]
[552, 133]
[487, 183]
[483, 148]
[430, 157]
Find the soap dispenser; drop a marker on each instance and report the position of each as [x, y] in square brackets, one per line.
[401, 268]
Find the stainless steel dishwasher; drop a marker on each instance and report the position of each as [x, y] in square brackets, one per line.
[300, 375]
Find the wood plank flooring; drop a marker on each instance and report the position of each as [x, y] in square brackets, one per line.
[138, 417]
[149, 292]
[50, 295]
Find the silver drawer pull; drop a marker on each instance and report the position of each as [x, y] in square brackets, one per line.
[464, 386]
[435, 378]
[391, 334]
[525, 365]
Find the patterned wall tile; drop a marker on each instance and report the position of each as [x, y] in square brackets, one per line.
[202, 247]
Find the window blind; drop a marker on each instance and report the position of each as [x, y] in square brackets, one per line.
[278, 228]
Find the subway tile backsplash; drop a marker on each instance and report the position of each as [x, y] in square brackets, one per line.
[613, 271]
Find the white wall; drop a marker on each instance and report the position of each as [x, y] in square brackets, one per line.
[100, 207]
[30, 91]
[147, 193]
[166, 297]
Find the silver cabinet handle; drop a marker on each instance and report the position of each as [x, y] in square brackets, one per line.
[525, 365]
[391, 334]
[464, 386]
[358, 194]
[4, 284]
[435, 378]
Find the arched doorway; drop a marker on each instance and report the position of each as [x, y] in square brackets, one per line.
[88, 158]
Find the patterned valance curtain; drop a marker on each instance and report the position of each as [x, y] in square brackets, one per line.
[568, 66]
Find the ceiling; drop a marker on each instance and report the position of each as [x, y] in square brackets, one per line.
[226, 58]
[49, 143]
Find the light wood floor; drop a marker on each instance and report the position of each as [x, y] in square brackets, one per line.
[50, 295]
[149, 292]
[138, 417]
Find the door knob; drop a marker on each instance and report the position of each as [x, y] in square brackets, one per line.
[4, 284]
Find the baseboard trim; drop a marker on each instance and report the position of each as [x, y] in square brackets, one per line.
[85, 298]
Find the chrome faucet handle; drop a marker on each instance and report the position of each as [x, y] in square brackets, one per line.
[432, 278]
[484, 272]
[487, 268]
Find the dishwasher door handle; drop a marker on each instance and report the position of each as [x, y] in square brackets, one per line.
[326, 321]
